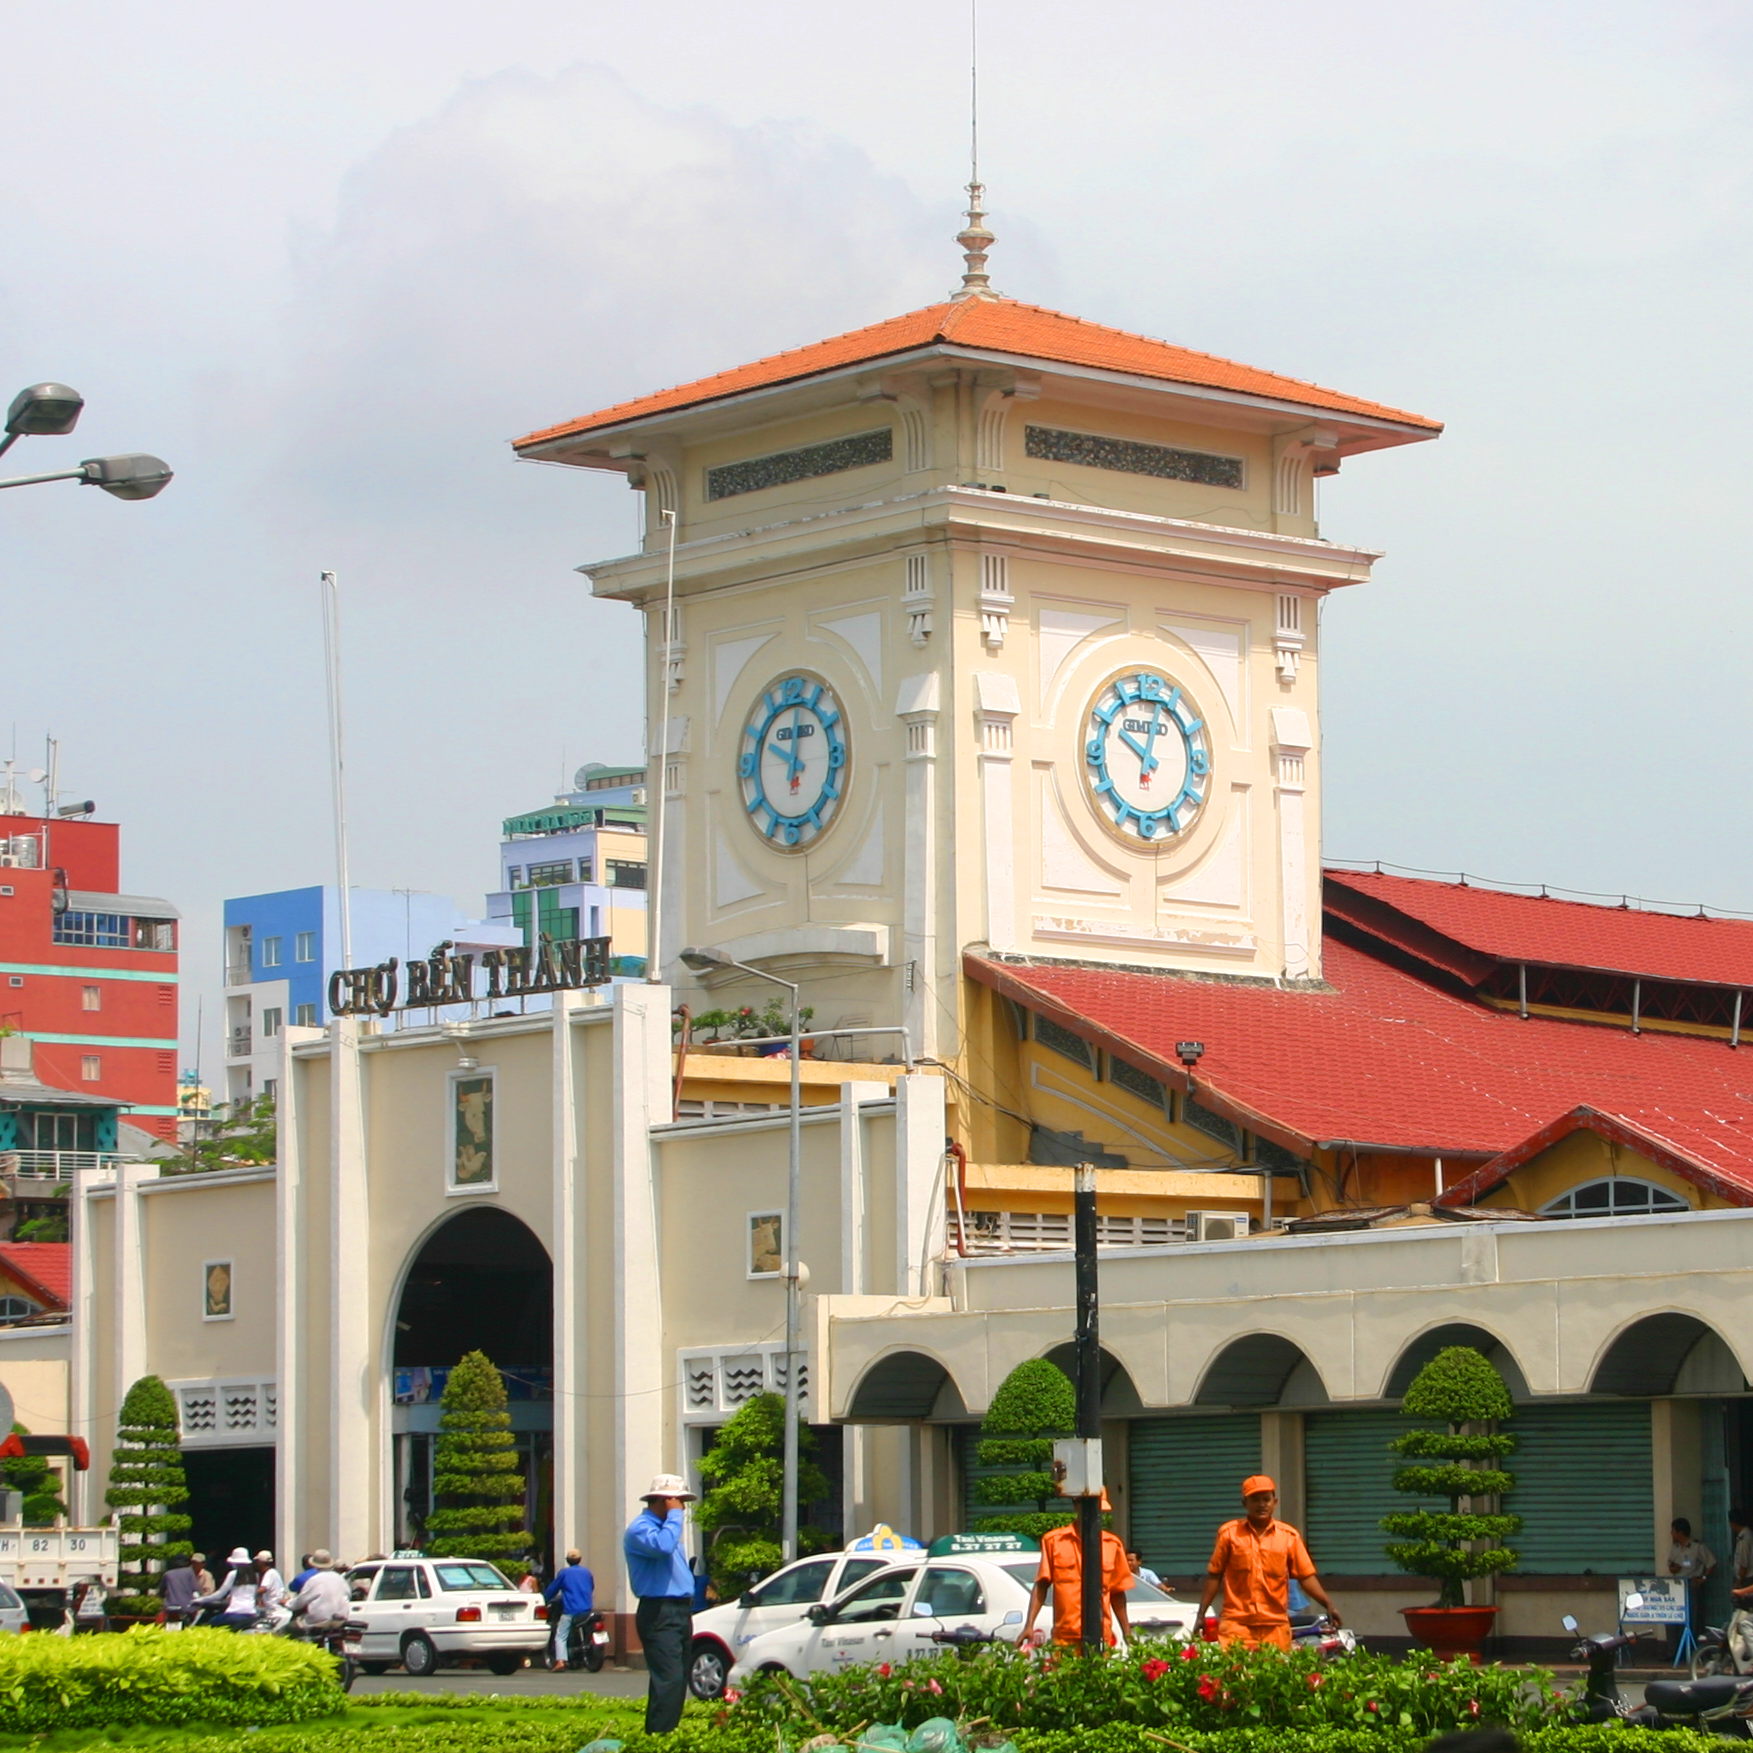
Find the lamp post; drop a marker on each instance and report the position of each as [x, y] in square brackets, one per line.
[703, 961]
[51, 410]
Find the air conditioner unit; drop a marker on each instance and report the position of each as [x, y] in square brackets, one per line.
[1216, 1226]
[11, 861]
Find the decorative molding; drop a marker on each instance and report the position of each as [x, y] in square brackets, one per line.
[916, 705]
[1287, 483]
[1130, 457]
[989, 432]
[1291, 742]
[1287, 637]
[1065, 863]
[997, 702]
[731, 882]
[225, 1412]
[1201, 939]
[672, 653]
[781, 468]
[715, 1383]
[996, 601]
[916, 599]
[915, 434]
[1220, 879]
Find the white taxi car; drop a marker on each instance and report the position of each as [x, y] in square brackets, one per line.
[425, 1613]
[891, 1617]
[720, 1633]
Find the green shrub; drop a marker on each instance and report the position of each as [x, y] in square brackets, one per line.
[146, 1486]
[1459, 1387]
[480, 1510]
[38, 1481]
[1163, 1685]
[744, 1471]
[210, 1679]
[1034, 1404]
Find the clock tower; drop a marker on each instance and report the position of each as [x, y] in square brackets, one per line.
[992, 628]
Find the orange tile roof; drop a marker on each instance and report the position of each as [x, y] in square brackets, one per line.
[1001, 325]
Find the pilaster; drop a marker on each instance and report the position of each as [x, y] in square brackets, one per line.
[568, 1248]
[130, 1277]
[919, 1204]
[357, 1514]
[1291, 742]
[917, 707]
[81, 1359]
[293, 1294]
[997, 704]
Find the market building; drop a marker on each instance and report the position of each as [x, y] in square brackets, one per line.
[987, 712]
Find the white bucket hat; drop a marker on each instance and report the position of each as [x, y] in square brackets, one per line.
[238, 1556]
[669, 1485]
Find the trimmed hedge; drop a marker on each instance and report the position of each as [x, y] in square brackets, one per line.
[207, 1679]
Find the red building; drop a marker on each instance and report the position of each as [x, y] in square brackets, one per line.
[90, 974]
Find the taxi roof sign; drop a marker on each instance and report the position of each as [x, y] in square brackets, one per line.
[973, 1545]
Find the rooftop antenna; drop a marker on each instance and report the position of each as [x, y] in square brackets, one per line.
[974, 238]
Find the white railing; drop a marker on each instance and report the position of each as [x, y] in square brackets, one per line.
[54, 1166]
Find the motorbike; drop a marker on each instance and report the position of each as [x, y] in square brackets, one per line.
[1725, 1649]
[1309, 1630]
[340, 1641]
[1722, 1704]
[587, 1644]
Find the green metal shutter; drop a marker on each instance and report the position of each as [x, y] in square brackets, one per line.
[1348, 1485]
[1186, 1479]
[1584, 1488]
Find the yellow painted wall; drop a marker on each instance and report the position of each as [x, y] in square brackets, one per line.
[1586, 1156]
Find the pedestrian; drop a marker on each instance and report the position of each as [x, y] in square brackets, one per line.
[1741, 1557]
[204, 1582]
[658, 1570]
[1142, 1571]
[530, 1582]
[1692, 1561]
[1061, 1572]
[574, 1591]
[1253, 1562]
[177, 1590]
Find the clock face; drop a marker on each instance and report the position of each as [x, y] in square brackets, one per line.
[1146, 756]
[793, 760]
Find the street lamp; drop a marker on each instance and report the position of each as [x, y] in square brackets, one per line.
[703, 961]
[51, 410]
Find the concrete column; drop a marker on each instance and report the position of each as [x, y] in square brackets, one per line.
[919, 1207]
[1676, 1473]
[129, 1265]
[356, 1505]
[571, 1337]
[82, 1318]
[917, 707]
[290, 1294]
[1291, 743]
[854, 1204]
[639, 1344]
[999, 703]
[1281, 1455]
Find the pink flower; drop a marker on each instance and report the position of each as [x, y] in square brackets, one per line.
[1154, 1669]
[731, 1695]
[884, 1669]
[1472, 1707]
[1207, 1687]
[1317, 1681]
[1372, 1705]
[1189, 1653]
[932, 1686]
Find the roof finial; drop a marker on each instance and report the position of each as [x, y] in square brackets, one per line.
[974, 238]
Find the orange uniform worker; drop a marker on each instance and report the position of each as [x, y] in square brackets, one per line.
[1062, 1571]
[1253, 1561]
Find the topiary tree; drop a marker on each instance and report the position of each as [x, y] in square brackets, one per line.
[744, 1505]
[1462, 1390]
[146, 1487]
[37, 1480]
[475, 1477]
[1034, 1404]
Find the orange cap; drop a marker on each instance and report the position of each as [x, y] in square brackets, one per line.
[1257, 1482]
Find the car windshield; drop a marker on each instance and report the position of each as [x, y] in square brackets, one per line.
[1143, 1591]
[1024, 1571]
[468, 1576]
[7, 1598]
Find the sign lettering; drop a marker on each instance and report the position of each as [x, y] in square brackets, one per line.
[447, 978]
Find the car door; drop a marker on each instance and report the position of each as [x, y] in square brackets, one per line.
[947, 1596]
[782, 1599]
[860, 1625]
[393, 1610]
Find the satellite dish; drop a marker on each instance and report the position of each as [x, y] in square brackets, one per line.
[37, 775]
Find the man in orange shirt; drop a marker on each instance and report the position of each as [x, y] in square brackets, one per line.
[1253, 1561]
[1062, 1570]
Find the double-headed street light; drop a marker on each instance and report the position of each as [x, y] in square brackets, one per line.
[703, 961]
[51, 410]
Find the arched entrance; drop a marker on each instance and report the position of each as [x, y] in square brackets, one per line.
[481, 1281]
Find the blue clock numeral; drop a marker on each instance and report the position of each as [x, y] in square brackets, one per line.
[836, 756]
[746, 766]
[1198, 762]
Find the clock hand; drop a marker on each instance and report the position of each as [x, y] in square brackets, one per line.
[1151, 762]
[795, 759]
[1138, 749]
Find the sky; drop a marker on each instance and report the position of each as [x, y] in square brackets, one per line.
[328, 260]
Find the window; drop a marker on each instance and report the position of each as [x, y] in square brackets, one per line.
[797, 1587]
[272, 1017]
[766, 1244]
[91, 998]
[7, 889]
[91, 1067]
[945, 1593]
[1135, 1082]
[304, 947]
[16, 1308]
[547, 876]
[468, 1576]
[271, 952]
[155, 934]
[880, 1598]
[514, 876]
[584, 875]
[396, 1583]
[857, 1569]
[1616, 1196]
[14, 979]
[103, 931]
[270, 1088]
[626, 874]
[1060, 1040]
[305, 1016]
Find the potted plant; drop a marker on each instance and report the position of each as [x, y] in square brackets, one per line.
[1460, 1462]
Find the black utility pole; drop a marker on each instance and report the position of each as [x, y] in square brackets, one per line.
[1089, 1401]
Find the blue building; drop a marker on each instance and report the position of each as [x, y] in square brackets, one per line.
[281, 948]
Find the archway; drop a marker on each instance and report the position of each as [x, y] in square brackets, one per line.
[1427, 1345]
[1261, 1369]
[1651, 1356]
[904, 1387]
[1119, 1394]
[481, 1281]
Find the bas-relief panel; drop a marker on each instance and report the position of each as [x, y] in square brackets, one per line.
[730, 657]
[1059, 631]
[1220, 878]
[1067, 867]
[732, 883]
[862, 635]
[1221, 646]
[868, 863]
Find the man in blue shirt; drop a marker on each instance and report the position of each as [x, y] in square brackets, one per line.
[658, 1570]
[574, 1588]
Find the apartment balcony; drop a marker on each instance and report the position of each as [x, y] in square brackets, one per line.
[238, 973]
[42, 1174]
[237, 1044]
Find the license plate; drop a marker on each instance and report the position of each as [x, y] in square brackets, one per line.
[352, 1649]
[504, 1612]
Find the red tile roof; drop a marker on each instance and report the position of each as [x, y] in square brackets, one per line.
[1554, 933]
[1026, 331]
[44, 1270]
[1382, 1058]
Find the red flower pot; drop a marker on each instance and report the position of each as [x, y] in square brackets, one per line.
[1448, 1632]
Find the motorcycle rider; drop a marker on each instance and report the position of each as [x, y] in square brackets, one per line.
[323, 1604]
[240, 1595]
[574, 1588]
